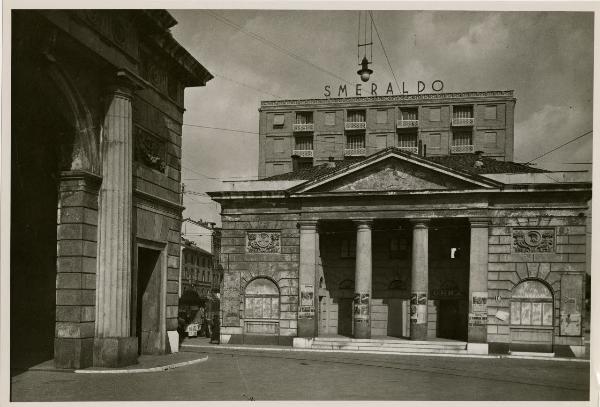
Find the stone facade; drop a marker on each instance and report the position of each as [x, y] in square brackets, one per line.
[434, 263]
[98, 102]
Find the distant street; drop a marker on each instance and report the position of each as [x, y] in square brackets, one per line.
[276, 375]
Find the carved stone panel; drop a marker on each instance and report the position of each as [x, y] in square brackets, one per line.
[263, 242]
[149, 150]
[533, 240]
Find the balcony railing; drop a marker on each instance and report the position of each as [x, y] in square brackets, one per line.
[355, 152]
[463, 121]
[413, 150]
[298, 127]
[403, 124]
[303, 153]
[355, 125]
[469, 148]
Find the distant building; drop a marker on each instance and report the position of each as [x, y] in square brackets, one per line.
[96, 125]
[303, 133]
[382, 242]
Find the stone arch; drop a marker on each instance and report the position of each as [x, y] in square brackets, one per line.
[532, 303]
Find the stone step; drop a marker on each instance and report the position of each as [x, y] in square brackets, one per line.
[389, 350]
[387, 346]
[387, 341]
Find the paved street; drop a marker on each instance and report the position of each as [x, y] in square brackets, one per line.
[274, 375]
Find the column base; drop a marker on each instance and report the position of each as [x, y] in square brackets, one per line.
[478, 348]
[477, 334]
[115, 352]
[418, 332]
[73, 353]
[306, 328]
[362, 329]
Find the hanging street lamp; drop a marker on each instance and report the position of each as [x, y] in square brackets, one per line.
[365, 72]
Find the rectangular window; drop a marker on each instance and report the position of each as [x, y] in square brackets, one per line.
[356, 116]
[381, 142]
[278, 145]
[409, 114]
[462, 112]
[491, 138]
[382, 116]
[278, 119]
[303, 143]
[304, 118]
[435, 140]
[547, 313]
[435, 114]
[355, 141]
[462, 139]
[525, 313]
[515, 313]
[536, 313]
[407, 140]
[329, 118]
[490, 112]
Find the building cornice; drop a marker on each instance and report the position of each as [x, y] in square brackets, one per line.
[390, 98]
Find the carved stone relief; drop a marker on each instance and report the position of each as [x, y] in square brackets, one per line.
[533, 240]
[263, 242]
[149, 150]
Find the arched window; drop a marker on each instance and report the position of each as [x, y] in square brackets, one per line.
[261, 299]
[531, 304]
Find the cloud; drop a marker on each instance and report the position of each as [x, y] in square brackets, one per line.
[488, 37]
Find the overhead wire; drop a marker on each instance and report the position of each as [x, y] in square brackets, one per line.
[272, 44]
[559, 147]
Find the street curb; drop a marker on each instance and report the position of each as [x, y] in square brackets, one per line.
[451, 355]
[147, 370]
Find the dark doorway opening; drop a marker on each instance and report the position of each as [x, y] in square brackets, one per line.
[149, 301]
[345, 316]
[452, 317]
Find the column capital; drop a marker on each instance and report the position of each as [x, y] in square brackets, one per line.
[124, 83]
[479, 222]
[419, 223]
[307, 224]
[363, 223]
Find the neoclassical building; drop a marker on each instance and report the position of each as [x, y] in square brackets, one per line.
[97, 111]
[486, 254]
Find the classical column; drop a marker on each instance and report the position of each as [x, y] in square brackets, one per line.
[362, 280]
[478, 281]
[419, 280]
[307, 320]
[113, 343]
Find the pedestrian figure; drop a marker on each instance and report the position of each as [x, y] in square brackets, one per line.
[205, 327]
[216, 330]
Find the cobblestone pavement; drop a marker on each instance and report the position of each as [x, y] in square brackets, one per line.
[274, 375]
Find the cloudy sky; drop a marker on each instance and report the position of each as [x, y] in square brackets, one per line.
[545, 57]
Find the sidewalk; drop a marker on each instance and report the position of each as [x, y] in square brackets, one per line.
[146, 363]
[200, 344]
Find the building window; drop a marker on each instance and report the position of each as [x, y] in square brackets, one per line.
[354, 141]
[491, 138]
[348, 248]
[261, 300]
[330, 118]
[462, 112]
[278, 145]
[278, 119]
[411, 114]
[490, 112]
[531, 304]
[303, 143]
[407, 140]
[462, 139]
[435, 114]
[382, 116]
[356, 116]
[304, 118]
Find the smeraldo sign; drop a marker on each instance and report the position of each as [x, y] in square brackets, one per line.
[363, 89]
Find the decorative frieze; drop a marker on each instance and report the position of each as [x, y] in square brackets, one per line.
[533, 240]
[263, 242]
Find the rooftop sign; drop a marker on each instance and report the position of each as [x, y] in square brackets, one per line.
[361, 89]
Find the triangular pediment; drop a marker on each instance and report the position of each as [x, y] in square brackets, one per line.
[394, 172]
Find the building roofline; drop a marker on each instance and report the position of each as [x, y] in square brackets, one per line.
[390, 98]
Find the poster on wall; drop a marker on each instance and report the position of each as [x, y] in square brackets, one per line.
[307, 302]
[418, 307]
[361, 306]
[571, 298]
[479, 299]
[477, 319]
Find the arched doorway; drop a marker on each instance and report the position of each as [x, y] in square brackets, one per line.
[531, 317]
[261, 311]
